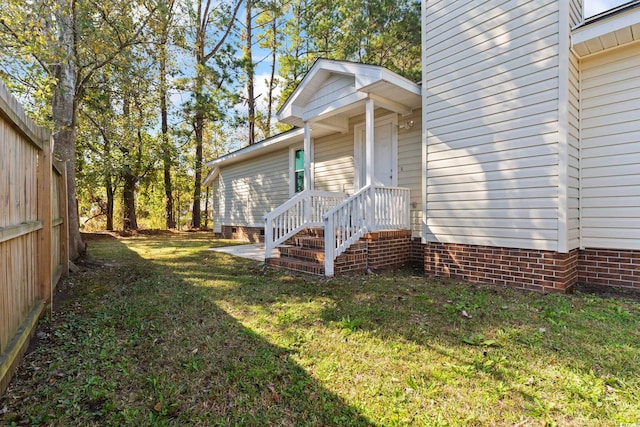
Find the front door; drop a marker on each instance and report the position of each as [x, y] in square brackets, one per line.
[384, 154]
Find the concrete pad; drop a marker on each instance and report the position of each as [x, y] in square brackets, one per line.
[253, 251]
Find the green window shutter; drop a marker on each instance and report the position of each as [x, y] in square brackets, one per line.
[299, 160]
[299, 171]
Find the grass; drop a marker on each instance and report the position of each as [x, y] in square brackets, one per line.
[167, 332]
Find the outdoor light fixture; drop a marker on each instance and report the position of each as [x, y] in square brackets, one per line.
[408, 125]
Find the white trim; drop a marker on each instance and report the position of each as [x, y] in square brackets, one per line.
[369, 140]
[606, 26]
[292, 168]
[423, 137]
[365, 76]
[580, 198]
[358, 149]
[563, 125]
[609, 33]
[211, 177]
[255, 224]
[307, 156]
[333, 109]
[278, 141]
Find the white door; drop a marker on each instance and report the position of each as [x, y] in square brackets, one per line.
[384, 154]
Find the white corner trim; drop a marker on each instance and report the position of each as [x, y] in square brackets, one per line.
[563, 126]
[423, 137]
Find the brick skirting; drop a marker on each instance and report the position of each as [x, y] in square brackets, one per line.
[544, 271]
[243, 233]
[376, 251]
[609, 267]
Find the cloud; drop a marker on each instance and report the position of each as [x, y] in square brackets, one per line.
[260, 91]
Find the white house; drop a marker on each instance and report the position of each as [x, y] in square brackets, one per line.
[516, 161]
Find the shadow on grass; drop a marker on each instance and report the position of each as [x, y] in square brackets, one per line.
[136, 344]
[190, 336]
[589, 340]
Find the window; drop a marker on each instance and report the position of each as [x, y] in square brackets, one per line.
[298, 171]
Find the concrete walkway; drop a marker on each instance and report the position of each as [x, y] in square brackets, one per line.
[253, 251]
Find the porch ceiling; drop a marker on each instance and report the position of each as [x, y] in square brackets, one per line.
[333, 91]
[611, 29]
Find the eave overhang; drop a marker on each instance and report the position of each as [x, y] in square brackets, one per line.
[608, 30]
[388, 89]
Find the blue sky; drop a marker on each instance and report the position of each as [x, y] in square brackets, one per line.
[593, 7]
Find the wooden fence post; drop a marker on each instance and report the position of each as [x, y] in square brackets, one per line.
[45, 173]
[64, 213]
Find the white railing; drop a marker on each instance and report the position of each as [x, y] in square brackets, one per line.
[392, 208]
[303, 210]
[371, 208]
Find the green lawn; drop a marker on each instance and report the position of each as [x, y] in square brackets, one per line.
[167, 332]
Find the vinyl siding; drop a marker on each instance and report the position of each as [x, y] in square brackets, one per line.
[215, 206]
[334, 89]
[410, 166]
[573, 181]
[610, 149]
[409, 163]
[491, 106]
[250, 189]
[573, 137]
[333, 162]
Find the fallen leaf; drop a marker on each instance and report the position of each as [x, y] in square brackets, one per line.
[157, 407]
[465, 314]
[274, 393]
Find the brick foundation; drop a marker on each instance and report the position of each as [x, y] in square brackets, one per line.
[243, 233]
[376, 251]
[416, 256]
[544, 271]
[609, 267]
[388, 248]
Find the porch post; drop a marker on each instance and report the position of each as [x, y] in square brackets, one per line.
[307, 170]
[369, 126]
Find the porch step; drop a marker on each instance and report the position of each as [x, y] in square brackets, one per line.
[314, 232]
[309, 242]
[301, 252]
[295, 264]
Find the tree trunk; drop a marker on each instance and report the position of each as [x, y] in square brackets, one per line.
[109, 187]
[197, 188]
[272, 78]
[198, 124]
[248, 57]
[166, 148]
[129, 220]
[65, 111]
[206, 208]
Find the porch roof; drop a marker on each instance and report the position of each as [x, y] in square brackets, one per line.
[332, 91]
[610, 29]
[261, 148]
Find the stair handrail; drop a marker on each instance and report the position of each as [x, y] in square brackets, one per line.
[346, 223]
[371, 208]
[303, 210]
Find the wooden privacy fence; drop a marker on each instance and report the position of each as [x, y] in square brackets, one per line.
[33, 229]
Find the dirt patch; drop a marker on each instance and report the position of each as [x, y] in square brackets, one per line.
[612, 292]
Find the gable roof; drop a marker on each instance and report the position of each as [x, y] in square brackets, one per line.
[368, 81]
[391, 90]
[607, 30]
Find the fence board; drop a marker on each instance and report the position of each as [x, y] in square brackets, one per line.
[32, 249]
